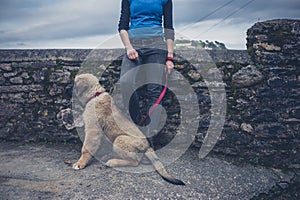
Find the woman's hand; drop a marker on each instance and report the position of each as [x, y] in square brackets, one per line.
[169, 63]
[132, 54]
[169, 66]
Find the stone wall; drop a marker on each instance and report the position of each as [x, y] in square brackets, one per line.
[262, 93]
[32, 92]
[33, 85]
[274, 46]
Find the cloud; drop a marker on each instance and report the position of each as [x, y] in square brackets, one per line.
[61, 22]
[228, 21]
[61, 19]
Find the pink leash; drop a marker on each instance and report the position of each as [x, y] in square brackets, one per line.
[157, 102]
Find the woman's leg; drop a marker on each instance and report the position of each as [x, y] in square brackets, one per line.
[128, 78]
[156, 74]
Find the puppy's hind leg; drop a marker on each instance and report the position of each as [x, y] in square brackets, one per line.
[127, 152]
[121, 163]
[89, 148]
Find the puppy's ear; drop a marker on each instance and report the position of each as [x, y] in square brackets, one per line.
[80, 88]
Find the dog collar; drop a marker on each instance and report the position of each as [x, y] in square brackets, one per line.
[97, 94]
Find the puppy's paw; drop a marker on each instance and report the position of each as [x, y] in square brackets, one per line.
[113, 163]
[110, 163]
[78, 165]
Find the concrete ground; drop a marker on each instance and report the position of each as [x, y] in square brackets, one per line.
[38, 171]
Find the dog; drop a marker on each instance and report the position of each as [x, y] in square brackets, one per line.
[102, 118]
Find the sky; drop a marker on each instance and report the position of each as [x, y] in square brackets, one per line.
[93, 23]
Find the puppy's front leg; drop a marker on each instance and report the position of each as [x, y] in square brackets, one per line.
[89, 148]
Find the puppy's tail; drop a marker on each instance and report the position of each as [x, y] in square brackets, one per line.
[160, 169]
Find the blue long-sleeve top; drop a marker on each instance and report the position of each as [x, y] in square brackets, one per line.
[144, 18]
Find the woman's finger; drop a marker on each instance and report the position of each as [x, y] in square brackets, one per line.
[136, 55]
[169, 66]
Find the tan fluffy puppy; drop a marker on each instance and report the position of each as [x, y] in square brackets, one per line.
[102, 118]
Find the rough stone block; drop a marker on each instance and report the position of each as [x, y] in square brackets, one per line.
[247, 76]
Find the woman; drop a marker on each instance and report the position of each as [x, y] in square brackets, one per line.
[146, 30]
